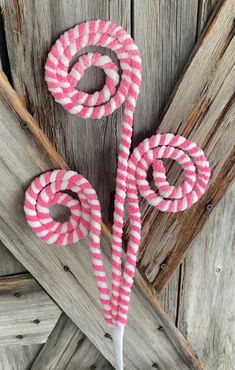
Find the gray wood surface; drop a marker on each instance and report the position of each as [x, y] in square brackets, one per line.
[165, 32]
[9, 265]
[205, 10]
[207, 292]
[18, 357]
[68, 348]
[201, 109]
[27, 313]
[74, 290]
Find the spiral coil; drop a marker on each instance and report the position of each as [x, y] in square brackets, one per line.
[167, 199]
[72, 190]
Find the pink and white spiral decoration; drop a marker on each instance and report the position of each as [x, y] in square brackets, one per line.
[168, 198]
[56, 186]
[70, 189]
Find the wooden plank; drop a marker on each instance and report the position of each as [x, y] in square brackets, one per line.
[207, 295]
[68, 348]
[165, 33]
[205, 115]
[18, 357]
[27, 313]
[73, 287]
[9, 265]
[89, 146]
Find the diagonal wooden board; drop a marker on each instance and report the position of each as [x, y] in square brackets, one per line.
[27, 313]
[68, 348]
[65, 272]
[202, 109]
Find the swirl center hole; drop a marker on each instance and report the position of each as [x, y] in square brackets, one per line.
[60, 213]
[93, 80]
[174, 174]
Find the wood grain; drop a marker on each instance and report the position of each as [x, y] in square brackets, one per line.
[205, 10]
[18, 357]
[205, 115]
[207, 293]
[73, 287]
[27, 313]
[9, 265]
[165, 32]
[68, 348]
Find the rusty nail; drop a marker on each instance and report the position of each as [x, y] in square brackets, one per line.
[17, 294]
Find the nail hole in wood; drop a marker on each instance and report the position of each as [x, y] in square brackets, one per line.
[160, 328]
[66, 268]
[23, 125]
[108, 336]
[19, 336]
[163, 266]
[93, 367]
[17, 294]
[209, 206]
[155, 365]
[218, 269]
[36, 321]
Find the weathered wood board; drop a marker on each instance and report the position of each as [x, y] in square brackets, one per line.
[77, 294]
[18, 357]
[206, 316]
[165, 32]
[205, 10]
[68, 348]
[27, 313]
[9, 265]
[205, 115]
